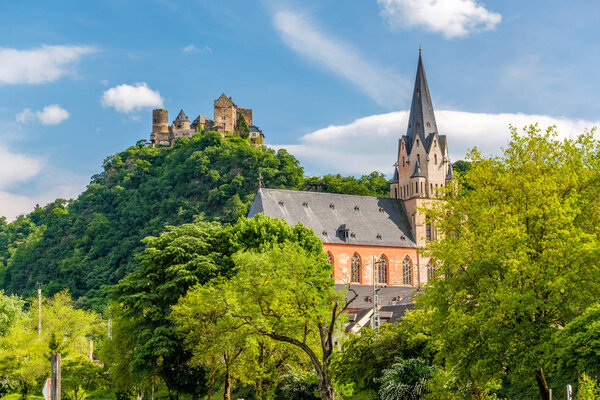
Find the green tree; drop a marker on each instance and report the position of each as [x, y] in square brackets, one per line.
[11, 311]
[579, 344]
[405, 380]
[517, 259]
[285, 294]
[177, 259]
[241, 127]
[364, 357]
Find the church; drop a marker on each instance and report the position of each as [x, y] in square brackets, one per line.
[377, 238]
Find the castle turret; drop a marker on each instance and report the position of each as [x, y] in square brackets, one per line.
[182, 121]
[160, 126]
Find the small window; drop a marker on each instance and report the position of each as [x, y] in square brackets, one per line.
[419, 158]
[355, 269]
[435, 143]
[418, 90]
[407, 271]
[403, 161]
[395, 192]
[428, 125]
[418, 124]
[428, 231]
[435, 159]
[416, 187]
[417, 139]
[223, 118]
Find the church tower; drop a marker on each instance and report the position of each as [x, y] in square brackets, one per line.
[422, 167]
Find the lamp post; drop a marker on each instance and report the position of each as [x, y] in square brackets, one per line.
[375, 321]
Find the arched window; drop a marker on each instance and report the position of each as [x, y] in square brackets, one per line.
[355, 269]
[419, 158]
[395, 192]
[382, 270]
[329, 258]
[435, 158]
[407, 271]
[416, 187]
[403, 161]
[428, 125]
[430, 270]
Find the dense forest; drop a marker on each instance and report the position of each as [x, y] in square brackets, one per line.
[87, 244]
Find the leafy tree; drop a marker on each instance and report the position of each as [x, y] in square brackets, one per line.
[241, 127]
[25, 354]
[461, 166]
[588, 389]
[579, 343]
[374, 184]
[177, 259]
[285, 294]
[11, 311]
[517, 259]
[364, 357]
[405, 380]
[298, 385]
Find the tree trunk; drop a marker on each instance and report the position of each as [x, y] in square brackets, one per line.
[542, 384]
[325, 387]
[227, 390]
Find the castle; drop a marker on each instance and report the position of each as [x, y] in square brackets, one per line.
[376, 239]
[227, 118]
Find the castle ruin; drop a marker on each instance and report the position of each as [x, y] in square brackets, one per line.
[226, 118]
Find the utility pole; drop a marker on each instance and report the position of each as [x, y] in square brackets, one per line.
[55, 377]
[39, 309]
[375, 321]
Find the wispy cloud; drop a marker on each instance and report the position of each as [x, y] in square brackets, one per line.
[370, 143]
[190, 48]
[302, 36]
[451, 18]
[49, 115]
[129, 98]
[44, 64]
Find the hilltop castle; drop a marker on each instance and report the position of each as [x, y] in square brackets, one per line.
[227, 116]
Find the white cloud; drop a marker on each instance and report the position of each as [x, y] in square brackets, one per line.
[44, 64]
[371, 143]
[50, 115]
[300, 34]
[127, 98]
[452, 18]
[190, 48]
[15, 167]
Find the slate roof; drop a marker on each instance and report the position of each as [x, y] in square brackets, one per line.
[182, 116]
[374, 221]
[417, 173]
[421, 109]
[450, 175]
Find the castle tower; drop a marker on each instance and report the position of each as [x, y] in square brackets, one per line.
[160, 126]
[422, 167]
[182, 121]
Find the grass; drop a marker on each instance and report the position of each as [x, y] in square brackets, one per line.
[17, 396]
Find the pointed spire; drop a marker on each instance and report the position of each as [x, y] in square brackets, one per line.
[450, 174]
[421, 121]
[181, 116]
[417, 173]
[396, 177]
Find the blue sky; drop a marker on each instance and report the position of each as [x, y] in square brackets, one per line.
[328, 80]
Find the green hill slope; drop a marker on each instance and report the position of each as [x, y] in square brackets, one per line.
[90, 242]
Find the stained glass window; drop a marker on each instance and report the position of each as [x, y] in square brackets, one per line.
[355, 269]
[407, 271]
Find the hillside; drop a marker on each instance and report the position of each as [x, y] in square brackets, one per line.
[88, 243]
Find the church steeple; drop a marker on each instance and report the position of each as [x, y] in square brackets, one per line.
[421, 121]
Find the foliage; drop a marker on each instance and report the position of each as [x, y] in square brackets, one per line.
[241, 127]
[285, 294]
[374, 184]
[25, 354]
[461, 166]
[588, 389]
[517, 259]
[405, 379]
[364, 357]
[177, 259]
[297, 385]
[579, 343]
[89, 243]
[11, 311]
